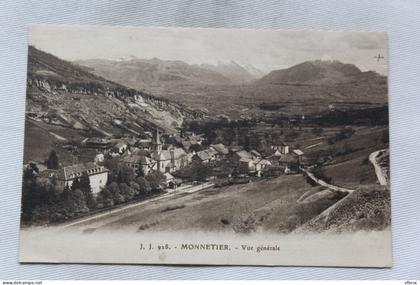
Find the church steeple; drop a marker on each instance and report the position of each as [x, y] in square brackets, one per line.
[158, 143]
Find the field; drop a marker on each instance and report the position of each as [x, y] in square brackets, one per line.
[263, 205]
[41, 138]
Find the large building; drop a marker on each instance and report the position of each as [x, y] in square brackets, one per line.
[98, 175]
[171, 160]
[137, 161]
[168, 160]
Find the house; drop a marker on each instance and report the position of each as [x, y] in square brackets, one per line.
[204, 156]
[288, 161]
[179, 158]
[171, 181]
[282, 148]
[131, 141]
[255, 154]
[299, 154]
[261, 164]
[220, 149]
[99, 158]
[98, 143]
[145, 144]
[138, 161]
[186, 145]
[246, 165]
[121, 147]
[276, 154]
[48, 173]
[98, 175]
[241, 154]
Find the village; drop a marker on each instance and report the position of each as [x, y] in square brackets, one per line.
[183, 159]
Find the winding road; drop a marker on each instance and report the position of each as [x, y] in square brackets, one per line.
[380, 172]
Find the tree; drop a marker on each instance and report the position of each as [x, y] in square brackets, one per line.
[112, 163]
[52, 161]
[156, 179]
[75, 185]
[199, 171]
[125, 174]
[127, 192]
[85, 183]
[136, 188]
[144, 185]
[114, 189]
[140, 171]
[66, 192]
[104, 199]
[87, 191]
[75, 204]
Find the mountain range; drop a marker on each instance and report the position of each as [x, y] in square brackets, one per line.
[229, 88]
[157, 74]
[182, 90]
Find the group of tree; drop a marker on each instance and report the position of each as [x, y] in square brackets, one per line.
[343, 133]
[44, 200]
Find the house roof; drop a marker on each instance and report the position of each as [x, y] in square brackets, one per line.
[235, 149]
[77, 170]
[121, 144]
[244, 154]
[277, 153]
[247, 160]
[48, 173]
[130, 141]
[298, 152]
[255, 153]
[179, 153]
[136, 159]
[139, 151]
[168, 176]
[204, 155]
[97, 140]
[220, 148]
[264, 162]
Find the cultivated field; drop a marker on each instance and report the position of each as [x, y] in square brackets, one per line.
[267, 204]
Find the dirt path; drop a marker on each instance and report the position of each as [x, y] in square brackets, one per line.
[325, 184]
[380, 172]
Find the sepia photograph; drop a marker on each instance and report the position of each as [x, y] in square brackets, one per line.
[148, 145]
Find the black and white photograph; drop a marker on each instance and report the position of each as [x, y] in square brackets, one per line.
[206, 146]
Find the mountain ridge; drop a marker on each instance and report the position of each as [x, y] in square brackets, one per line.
[316, 72]
[150, 74]
[68, 95]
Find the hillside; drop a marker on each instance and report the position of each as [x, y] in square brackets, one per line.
[62, 96]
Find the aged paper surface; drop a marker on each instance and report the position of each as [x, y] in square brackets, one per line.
[206, 146]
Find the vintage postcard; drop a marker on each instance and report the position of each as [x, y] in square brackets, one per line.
[206, 146]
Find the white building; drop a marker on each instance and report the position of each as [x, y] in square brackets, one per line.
[98, 175]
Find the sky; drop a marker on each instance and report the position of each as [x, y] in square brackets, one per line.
[264, 49]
